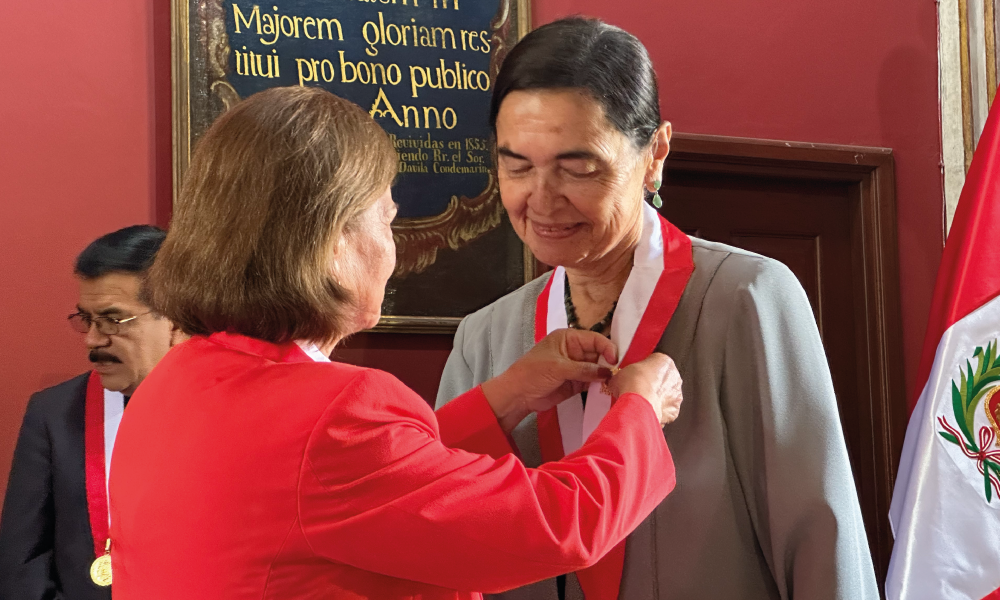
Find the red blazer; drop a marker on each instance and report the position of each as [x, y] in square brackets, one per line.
[243, 469]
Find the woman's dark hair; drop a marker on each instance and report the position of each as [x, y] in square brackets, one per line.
[128, 250]
[609, 63]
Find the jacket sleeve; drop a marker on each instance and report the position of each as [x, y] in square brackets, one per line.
[457, 377]
[28, 520]
[465, 419]
[380, 491]
[788, 446]
[468, 423]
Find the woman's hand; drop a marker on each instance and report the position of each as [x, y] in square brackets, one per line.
[561, 365]
[656, 379]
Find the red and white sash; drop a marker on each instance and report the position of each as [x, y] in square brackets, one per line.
[661, 269]
[103, 411]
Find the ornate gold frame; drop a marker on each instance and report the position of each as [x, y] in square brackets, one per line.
[417, 239]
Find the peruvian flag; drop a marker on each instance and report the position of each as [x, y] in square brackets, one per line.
[945, 509]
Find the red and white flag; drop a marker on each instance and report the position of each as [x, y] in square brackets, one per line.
[945, 509]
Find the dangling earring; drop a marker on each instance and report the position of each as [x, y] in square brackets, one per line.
[657, 201]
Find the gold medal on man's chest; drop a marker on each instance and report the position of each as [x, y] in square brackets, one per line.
[100, 569]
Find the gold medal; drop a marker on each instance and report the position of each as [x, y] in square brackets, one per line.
[100, 569]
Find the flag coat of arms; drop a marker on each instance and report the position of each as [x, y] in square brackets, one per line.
[945, 510]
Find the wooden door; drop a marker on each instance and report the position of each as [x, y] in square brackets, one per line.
[828, 214]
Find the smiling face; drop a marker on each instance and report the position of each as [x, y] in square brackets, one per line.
[125, 358]
[364, 260]
[571, 183]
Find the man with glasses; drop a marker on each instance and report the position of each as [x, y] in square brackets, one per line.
[54, 526]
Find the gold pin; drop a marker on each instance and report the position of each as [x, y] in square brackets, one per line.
[604, 386]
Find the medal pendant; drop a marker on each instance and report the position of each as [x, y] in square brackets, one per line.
[100, 570]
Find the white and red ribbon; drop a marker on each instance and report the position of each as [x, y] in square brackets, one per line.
[661, 268]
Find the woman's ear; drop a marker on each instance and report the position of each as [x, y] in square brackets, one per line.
[338, 243]
[659, 149]
[336, 253]
[176, 335]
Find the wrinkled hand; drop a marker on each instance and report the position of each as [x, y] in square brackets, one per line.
[656, 379]
[561, 365]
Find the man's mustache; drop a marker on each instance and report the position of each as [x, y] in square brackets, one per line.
[97, 356]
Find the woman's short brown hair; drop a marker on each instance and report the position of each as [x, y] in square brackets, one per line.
[270, 189]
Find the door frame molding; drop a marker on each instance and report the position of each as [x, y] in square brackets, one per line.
[870, 173]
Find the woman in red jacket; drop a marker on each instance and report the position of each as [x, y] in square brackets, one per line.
[250, 466]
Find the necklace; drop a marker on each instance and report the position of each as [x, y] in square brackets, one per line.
[602, 326]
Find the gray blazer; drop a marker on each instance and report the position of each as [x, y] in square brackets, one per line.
[765, 505]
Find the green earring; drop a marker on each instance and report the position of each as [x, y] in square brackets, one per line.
[657, 201]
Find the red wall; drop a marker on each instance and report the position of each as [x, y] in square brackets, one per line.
[79, 114]
[85, 140]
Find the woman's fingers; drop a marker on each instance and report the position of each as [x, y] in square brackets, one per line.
[565, 362]
[588, 346]
[657, 380]
[583, 371]
[559, 366]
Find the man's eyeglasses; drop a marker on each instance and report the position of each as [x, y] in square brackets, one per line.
[81, 323]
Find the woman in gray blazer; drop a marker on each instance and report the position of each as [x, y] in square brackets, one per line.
[765, 505]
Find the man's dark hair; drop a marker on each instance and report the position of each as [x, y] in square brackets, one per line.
[608, 63]
[128, 250]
